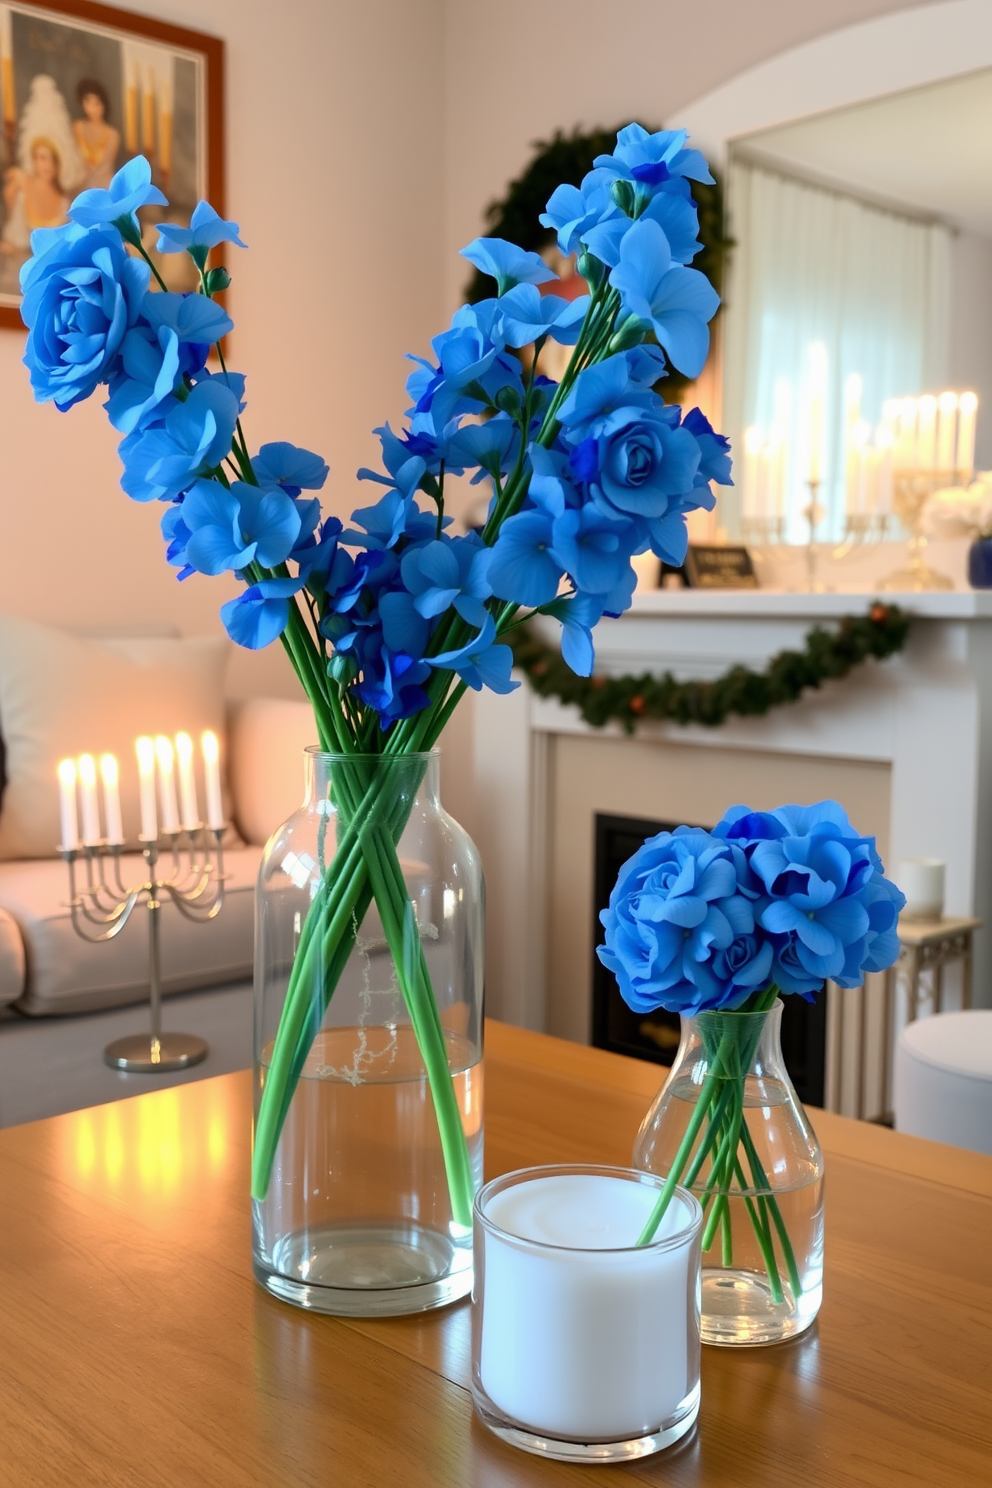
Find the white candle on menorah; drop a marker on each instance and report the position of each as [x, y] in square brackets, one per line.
[102, 903]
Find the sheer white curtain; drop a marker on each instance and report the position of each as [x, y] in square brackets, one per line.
[812, 264]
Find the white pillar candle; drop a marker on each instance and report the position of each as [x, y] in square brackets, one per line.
[187, 783]
[884, 439]
[922, 881]
[947, 428]
[905, 457]
[967, 414]
[67, 805]
[578, 1332]
[816, 414]
[89, 806]
[145, 750]
[211, 773]
[111, 798]
[926, 432]
[165, 757]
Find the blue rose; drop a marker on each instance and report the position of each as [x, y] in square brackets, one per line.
[82, 294]
[679, 933]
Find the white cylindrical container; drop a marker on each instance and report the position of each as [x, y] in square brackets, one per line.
[922, 881]
[585, 1345]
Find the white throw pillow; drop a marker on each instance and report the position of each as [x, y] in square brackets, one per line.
[62, 695]
[268, 737]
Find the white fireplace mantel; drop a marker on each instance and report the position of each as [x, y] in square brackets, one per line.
[926, 714]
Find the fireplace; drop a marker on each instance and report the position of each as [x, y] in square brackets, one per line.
[655, 1036]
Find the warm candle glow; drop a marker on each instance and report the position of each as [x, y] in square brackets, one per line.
[187, 783]
[145, 749]
[211, 770]
[67, 804]
[86, 771]
[110, 776]
[926, 432]
[165, 757]
[967, 414]
[816, 409]
[947, 419]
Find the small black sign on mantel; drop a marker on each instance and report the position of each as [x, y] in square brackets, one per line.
[717, 566]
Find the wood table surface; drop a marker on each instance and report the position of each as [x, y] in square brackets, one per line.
[136, 1351]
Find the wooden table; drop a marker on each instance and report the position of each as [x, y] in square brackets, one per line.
[137, 1352]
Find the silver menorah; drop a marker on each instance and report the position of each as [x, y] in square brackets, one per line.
[101, 909]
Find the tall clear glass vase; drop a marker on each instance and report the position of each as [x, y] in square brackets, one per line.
[729, 1118]
[368, 1043]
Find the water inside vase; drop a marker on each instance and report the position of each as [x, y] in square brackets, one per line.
[358, 1216]
[740, 1304]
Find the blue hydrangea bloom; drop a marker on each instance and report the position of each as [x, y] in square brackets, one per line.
[676, 301]
[130, 189]
[826, 902]
[206, 229]
[508, 264]
[82, 294]
[675, 909]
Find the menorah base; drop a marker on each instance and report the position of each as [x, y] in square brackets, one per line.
[141, 1054]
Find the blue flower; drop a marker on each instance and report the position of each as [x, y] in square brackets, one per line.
[393, 517]
[527, 315]
[176, 535]
[651, 161]
[522, 568]
[260, 615]
[148, 373]
[173, 340]
[481, 662]
[577, 614]
[491, 446]
[445, 575]
[470, 372]
[206, 229]
[508, 264]
[573, 210]
[406, 467]
[130, 189]
[678, 302]
[675, 215]
[593, 548]
[601, 389]
[825, 900]
[636, 462]
[679, 934]
[231, 528]
[82, 294]
[163, 459]
[292, 469]
[197, 322]
[714, 449]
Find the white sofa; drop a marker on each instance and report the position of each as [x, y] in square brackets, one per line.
[46, 969]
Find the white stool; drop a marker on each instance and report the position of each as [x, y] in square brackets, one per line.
[943, 1079]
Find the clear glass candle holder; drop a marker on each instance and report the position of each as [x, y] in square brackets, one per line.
[585, 1344]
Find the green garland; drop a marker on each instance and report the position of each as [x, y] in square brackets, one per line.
[628, 700]
[567, 158]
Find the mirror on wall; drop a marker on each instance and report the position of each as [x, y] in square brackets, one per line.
[857, 346]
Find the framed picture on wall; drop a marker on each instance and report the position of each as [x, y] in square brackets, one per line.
[83, 88]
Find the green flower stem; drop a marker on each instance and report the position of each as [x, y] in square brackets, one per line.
[757, 1213]
[761, 1181]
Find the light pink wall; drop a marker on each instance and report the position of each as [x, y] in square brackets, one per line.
[334, 172]
[593, 64]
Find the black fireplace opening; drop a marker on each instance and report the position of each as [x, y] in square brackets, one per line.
[655, 1036]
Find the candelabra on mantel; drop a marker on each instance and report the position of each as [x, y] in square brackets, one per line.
[104, 903]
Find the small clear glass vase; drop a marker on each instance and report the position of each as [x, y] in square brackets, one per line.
[729, 1121]
[368, 1043]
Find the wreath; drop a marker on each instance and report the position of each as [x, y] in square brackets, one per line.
[826, 656]
[567, 158]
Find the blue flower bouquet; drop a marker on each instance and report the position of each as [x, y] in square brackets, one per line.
[716, 926]
[387, 621]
